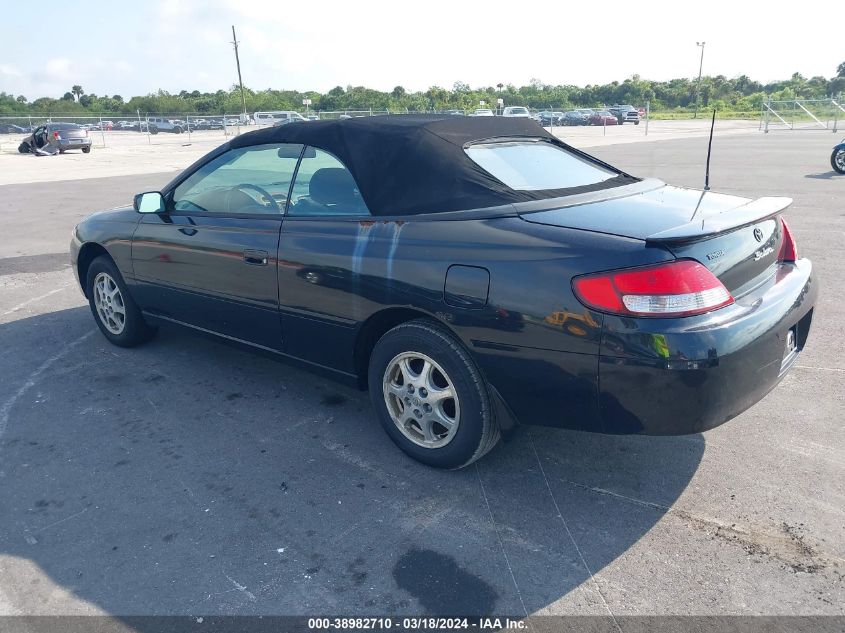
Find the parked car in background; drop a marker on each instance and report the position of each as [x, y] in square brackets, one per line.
[483, 112]
[455, 112]
[547, 118]
[603, 117]
[586, 113]
[579, 297]
[10, 128]
[58, 137]
[574, 117]
[625, 114]
[158, 124]
[280, 117]
[516, 111]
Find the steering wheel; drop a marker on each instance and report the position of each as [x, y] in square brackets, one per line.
[245, 186]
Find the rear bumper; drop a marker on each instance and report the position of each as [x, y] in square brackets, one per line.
[678, 376]
[73, 144]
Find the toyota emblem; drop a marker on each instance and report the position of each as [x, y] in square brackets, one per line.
[758, 235]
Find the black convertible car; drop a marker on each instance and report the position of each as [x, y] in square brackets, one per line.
[473, 273]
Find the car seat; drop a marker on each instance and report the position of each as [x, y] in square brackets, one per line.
[331, 191]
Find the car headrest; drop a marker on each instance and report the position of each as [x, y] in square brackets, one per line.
[333, 185]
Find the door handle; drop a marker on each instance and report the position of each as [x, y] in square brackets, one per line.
[188, 231]
[256, 258]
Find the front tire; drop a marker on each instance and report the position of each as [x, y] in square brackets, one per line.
[116, 313]
[430, 397]
[837, 160]
[86, 150]
[24, 148]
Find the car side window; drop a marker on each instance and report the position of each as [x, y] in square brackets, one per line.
[246, 180]
[324, 187]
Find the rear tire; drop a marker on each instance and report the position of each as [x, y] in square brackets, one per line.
[837, 160]
[116, 313]
[430, 397]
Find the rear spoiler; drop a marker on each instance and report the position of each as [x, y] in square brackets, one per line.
[730, 220]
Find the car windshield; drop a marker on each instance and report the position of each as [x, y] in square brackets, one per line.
[536, 165]
[519, 111]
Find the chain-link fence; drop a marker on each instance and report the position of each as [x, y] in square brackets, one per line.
[156, 129]
[803, 114]
[120, 130]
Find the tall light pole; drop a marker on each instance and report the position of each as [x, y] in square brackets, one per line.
[238, 63]
[698, 86]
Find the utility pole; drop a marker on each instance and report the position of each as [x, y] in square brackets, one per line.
[698, 86]
[238, 62]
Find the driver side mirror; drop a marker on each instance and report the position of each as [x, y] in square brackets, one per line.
[149, 202]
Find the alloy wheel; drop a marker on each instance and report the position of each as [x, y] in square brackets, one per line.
[421, 400]
[109, 303]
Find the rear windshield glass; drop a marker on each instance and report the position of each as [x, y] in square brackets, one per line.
[529, 166]
[64, 126]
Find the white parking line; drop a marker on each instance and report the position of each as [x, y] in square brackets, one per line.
[32, 379]
[33, 300]
[572, 538]
[499, 538]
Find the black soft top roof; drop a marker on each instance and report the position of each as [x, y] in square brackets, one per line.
[407, 164]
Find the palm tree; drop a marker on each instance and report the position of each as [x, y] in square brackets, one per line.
[77, 92]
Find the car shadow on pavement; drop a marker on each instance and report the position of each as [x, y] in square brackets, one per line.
[188, 477]
[824, 176]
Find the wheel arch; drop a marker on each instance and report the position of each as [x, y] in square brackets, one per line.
[378, 324]
[373, 328]
[87, 254]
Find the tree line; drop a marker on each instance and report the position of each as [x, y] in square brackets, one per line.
[738, 94]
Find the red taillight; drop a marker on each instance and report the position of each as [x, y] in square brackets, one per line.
[788, 250]
[679, 288]
[56, 136]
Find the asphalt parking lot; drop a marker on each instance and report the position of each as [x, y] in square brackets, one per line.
[187, 477]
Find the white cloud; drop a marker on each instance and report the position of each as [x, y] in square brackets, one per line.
[58, 67]
[9, 71]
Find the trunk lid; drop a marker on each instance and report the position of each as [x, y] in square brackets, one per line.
[68, 131]
[738, 239]
[73, 133]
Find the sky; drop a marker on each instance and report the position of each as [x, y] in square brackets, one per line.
[140, 47]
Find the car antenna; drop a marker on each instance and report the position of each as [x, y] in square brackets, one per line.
[706, 171]
[709, 147]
